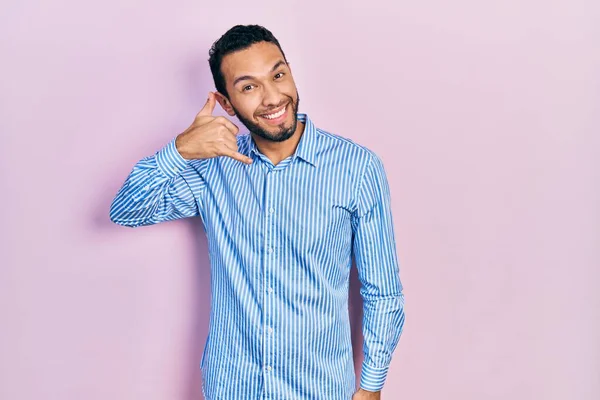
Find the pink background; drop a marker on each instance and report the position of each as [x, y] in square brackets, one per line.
[486, 116]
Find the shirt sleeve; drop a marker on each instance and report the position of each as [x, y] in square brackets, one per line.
[160, 188]
[378, 271]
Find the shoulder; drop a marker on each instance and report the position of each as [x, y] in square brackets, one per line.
[342, 148]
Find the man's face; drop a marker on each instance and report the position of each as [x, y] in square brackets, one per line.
[262, 91]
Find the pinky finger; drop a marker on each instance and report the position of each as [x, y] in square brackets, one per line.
[237, 156]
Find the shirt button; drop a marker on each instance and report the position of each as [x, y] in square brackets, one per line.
[271, 210]
[270, 249]
[174, 169]
[270, 330]
[270, 290]
[269, 368]
[146, 187]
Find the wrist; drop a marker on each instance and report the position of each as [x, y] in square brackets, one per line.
[364, 394]
[372, 378]
[180, 146]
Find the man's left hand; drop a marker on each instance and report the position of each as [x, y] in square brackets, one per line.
[366, 395]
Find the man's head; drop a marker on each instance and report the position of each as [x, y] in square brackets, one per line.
[254, 81]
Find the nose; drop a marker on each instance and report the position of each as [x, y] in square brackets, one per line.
[270, 96]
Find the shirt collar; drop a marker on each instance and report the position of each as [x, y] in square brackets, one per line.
[306, 149]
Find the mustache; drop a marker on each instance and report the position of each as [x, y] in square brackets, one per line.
[267, 111]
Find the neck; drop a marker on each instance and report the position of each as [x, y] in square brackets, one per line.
[278, 151]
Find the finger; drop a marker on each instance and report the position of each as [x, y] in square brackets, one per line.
[209, 106]
[228, 124]
[235, 155]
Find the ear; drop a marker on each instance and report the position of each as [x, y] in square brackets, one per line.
[225, 104]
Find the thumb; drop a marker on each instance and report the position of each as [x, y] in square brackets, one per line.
[209, 107]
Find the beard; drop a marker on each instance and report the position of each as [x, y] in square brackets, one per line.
[282, 133]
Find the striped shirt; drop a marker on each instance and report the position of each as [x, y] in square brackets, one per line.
[281, 240]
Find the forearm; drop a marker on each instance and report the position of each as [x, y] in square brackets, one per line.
[383, 322]
[154, 191]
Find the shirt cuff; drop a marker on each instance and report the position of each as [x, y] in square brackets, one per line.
[170, 162]
[372, 378]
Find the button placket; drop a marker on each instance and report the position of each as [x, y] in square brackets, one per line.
[269, 259]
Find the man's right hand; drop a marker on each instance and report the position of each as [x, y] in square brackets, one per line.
[210, 136]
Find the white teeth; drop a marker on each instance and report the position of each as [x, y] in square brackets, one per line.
[276, 115]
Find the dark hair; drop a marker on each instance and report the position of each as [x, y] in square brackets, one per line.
[238, 38]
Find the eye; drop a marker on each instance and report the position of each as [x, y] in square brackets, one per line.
[279, 75]
[246, 88]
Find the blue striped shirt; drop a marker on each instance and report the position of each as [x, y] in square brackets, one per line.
[281, 240]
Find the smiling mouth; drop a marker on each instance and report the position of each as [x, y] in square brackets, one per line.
[275, 115]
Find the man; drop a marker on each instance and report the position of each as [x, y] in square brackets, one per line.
[285, 208]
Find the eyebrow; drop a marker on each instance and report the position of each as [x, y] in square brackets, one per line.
[249, 77]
